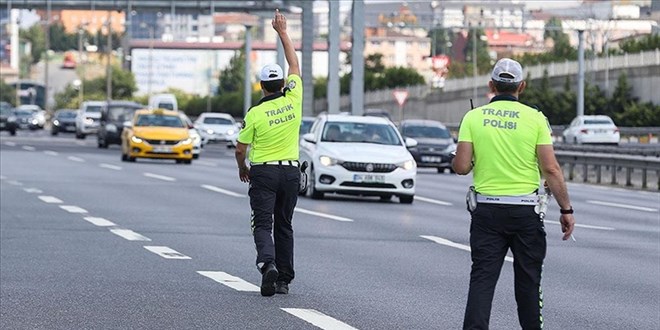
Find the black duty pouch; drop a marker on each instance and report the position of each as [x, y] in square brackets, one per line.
[302, 189]
[471, 199]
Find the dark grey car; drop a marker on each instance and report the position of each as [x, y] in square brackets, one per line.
[434, 143]
[113, 117]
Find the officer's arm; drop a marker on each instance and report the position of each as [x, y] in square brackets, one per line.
[241, 152]
[279, 24]
[462, 163]
[553, 174]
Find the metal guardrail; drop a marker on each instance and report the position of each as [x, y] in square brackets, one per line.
[639, 170]
[650, 151]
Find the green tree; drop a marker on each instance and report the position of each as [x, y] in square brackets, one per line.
[638, 114]
[36, 36]
[60, 40]
[440, 41]
[646, 43]
[233, 76]
[7, 93]
[621, 97]
[123, 87]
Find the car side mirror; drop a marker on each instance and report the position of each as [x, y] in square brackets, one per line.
[309, 137]
[128, 124]
[411, 143]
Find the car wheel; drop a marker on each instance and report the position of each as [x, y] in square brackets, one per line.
[124, 157]
[195, 156]
[131, 159]
[178, 161]
[313, 193]
[441, 170]
[406, 199]
[12, 132]
[187, 161]
[385, 198]
[53, 132]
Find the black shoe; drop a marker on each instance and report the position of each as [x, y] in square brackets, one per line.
[268, 278]
[281, 287]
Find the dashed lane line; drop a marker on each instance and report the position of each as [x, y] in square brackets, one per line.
[432, 201]
[50, 199]
[444, 241]
[101, 222]
[2, 177]
[10, 144]
[159, 177]
[166, 252]
[323, 215]
[76, 159]
[73, 209]
[205, 163]
[222, 191]
[110, 166]
[231, 281]
[318, 319]
[29, 148]
[623, 206]
[33, 190]
[51, 152]
[15, 183]
[129, 235]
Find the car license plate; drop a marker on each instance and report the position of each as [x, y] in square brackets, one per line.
[431, 159]
[368, 178]
[162, 149]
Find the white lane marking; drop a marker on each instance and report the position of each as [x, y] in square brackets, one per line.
[11, 144]
[231, 281]
[449, 243]
[33, 190]
[432, 201]
[110, 166]
[15, 183]
[129, 235]
[73, 209]
[581, 225]
[51, 153]
[624, 206]
[205, 163]
[76, 159]
[159, 177]
[323, 215]
[222, 191]
[50, 199]
[29, 148]
[101, 222]
[166, 252]
[80, 143]
[318, 319]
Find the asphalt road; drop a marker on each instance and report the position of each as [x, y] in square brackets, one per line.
[90, 242]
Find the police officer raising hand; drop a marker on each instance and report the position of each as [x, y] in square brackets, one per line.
[271, 130]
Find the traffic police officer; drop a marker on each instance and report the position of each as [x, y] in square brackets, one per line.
[271, 129]
[505, 143]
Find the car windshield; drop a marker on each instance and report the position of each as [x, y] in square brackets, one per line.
[66, 114]
[597, 122]
[426, 132]
[217, 121]
[23, 113]
[159, 120]
[305, 126]
[360, 132]
[93, 108]
[120, 113]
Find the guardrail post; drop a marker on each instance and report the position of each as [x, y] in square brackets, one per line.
[613, 174]
[585, 172]
[644, 186]
[628, 176]
[598, 173]
[571, 166]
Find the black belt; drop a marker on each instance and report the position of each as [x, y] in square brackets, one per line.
[279, 162]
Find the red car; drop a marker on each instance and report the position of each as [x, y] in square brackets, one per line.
[69, 61]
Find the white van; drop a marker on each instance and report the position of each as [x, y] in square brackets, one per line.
[163, 101]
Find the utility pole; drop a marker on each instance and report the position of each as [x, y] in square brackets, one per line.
[357, 59]
[333, 95]
[108, 66]
[580, 96]
[46, 75]
[474, 64]
[247, 85]
[81, 88]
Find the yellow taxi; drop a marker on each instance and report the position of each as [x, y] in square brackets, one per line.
[158, 134]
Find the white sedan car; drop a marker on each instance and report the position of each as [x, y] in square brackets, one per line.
[362, 156]
[592, 129]
[217, 127]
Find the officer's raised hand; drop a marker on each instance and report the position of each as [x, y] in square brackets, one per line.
[279, 22]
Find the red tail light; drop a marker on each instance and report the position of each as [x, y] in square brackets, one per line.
[584, 131]
[616, 130]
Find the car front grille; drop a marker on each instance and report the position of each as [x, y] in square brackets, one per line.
[368, 185]
[163, 142]
[368, 167]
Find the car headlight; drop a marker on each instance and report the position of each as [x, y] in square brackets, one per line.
[186, 141]
[56, 122]
[328, 161]
[407, 165]
[89, 121]
[35, 122]
[209, 131]
[230, 132]
[451, 148]
[136, 139]
[196, 138]
[111, 128]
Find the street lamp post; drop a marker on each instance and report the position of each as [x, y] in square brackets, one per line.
[151, 50]
[247, 96]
